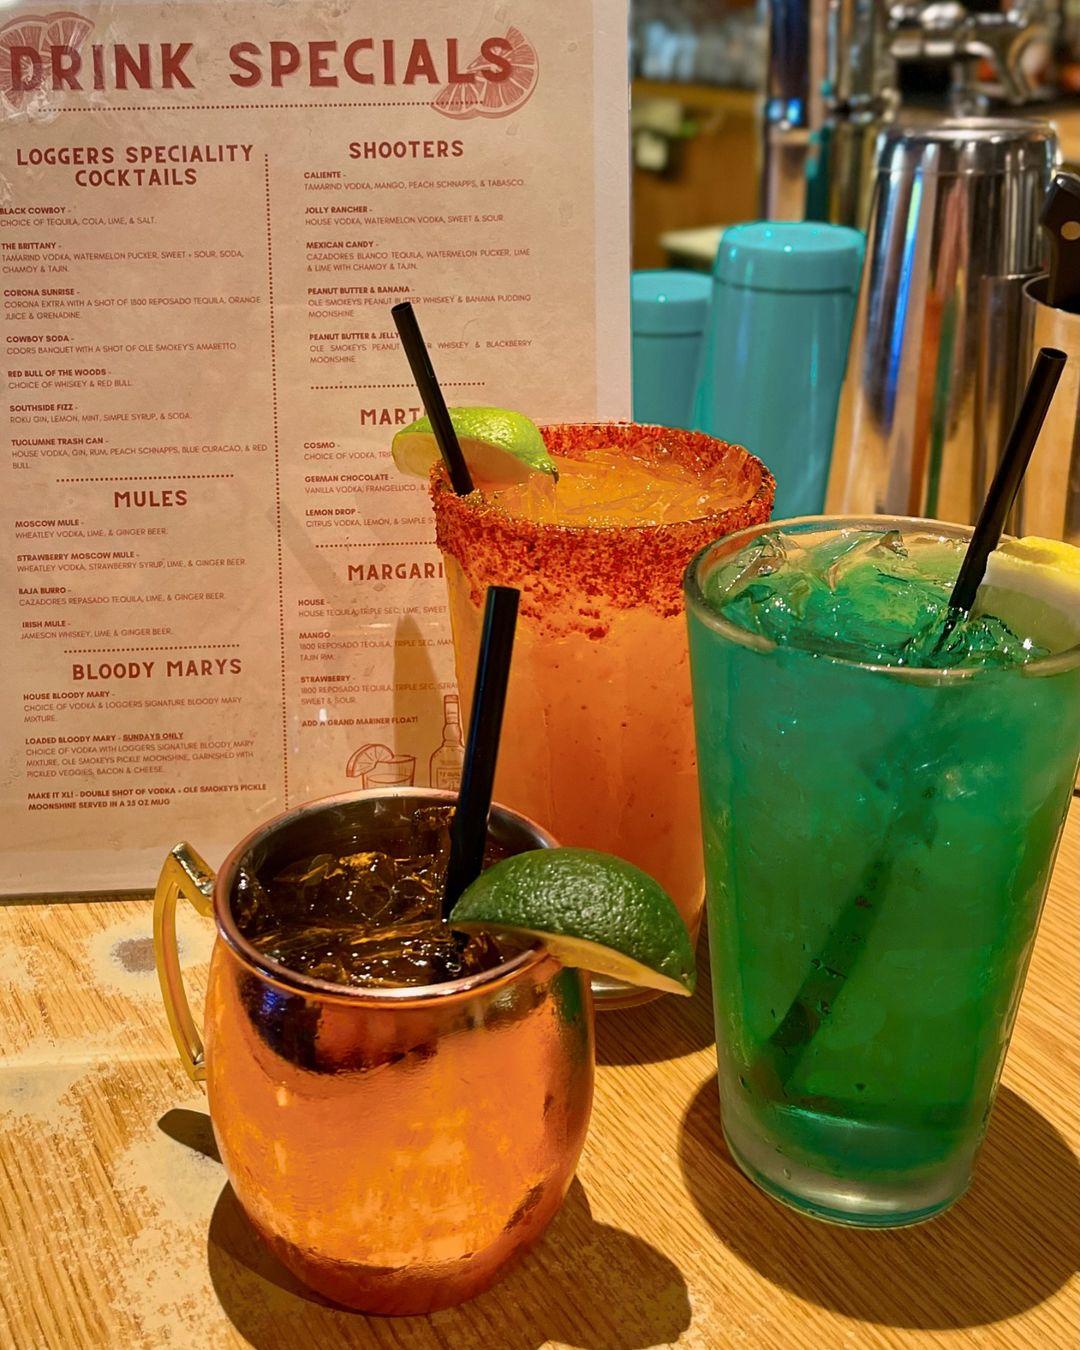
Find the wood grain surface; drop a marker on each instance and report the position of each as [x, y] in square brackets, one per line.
[118, 1229]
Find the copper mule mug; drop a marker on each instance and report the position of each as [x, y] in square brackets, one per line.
[396, 1147]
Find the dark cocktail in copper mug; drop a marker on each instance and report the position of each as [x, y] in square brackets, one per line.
[399, 1107]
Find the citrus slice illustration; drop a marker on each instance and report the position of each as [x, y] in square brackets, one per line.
[64, 29]
[458, 101]
[486, 97]
[28, 32]
[367, 758]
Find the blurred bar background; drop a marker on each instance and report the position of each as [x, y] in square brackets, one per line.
[729, 100]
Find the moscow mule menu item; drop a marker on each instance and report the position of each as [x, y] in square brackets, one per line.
[219, 599]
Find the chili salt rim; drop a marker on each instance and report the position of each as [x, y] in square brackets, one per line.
[619, 565]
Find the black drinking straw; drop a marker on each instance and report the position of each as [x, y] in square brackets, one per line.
[835, 959]
[1043, 381]
[468, 830]
[431, 396]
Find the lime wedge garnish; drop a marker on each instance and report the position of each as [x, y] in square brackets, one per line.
[590, 910]
[500, 447]
[1033, 585]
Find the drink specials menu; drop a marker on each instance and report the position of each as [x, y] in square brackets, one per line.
[219, 598]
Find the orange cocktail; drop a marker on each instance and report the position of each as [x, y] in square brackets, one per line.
[598, 739]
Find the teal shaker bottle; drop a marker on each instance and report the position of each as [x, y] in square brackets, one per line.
[780, 322]
[668, 314]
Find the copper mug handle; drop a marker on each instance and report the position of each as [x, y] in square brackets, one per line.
[183, 874]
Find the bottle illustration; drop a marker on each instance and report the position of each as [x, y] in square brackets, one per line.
[446, 762]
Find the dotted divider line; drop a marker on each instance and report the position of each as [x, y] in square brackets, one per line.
[184, 647]
[446, 384]
[145, 477]
[381, 543]
[277, 480]
[238, 107]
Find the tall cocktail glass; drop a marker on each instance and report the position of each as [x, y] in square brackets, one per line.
[598, 739]
[878, 844]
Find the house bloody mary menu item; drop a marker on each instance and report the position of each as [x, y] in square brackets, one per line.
[219, 599]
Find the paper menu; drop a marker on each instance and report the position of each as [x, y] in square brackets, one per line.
[219, 597]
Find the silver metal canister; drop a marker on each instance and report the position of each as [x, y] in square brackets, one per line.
[1049, 502]
[953, 236]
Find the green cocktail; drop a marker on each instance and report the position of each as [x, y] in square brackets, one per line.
[882, 799]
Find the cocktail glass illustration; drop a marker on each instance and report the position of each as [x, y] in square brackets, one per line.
[376, 765]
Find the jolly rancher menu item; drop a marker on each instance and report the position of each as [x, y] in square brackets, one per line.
[219, 598]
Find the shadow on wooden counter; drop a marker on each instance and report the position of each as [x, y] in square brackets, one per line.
[586, 1283]
[667, 1028]
[1007, 1245]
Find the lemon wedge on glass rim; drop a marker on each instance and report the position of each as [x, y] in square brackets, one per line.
[500, 446]
[1033, 585]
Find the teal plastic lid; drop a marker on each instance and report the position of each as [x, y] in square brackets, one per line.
[780, 255]
[668, 301]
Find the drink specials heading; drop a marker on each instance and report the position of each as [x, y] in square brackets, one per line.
[323, 64]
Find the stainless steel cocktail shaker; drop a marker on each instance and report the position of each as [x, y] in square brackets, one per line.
[930, 383]
[1049, 501]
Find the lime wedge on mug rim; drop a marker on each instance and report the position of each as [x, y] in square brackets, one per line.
[590, 910]
[500, 447]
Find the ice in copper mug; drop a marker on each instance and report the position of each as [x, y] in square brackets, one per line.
[400, 1108]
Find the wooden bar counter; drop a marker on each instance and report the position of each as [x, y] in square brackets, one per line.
[118, 1229]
